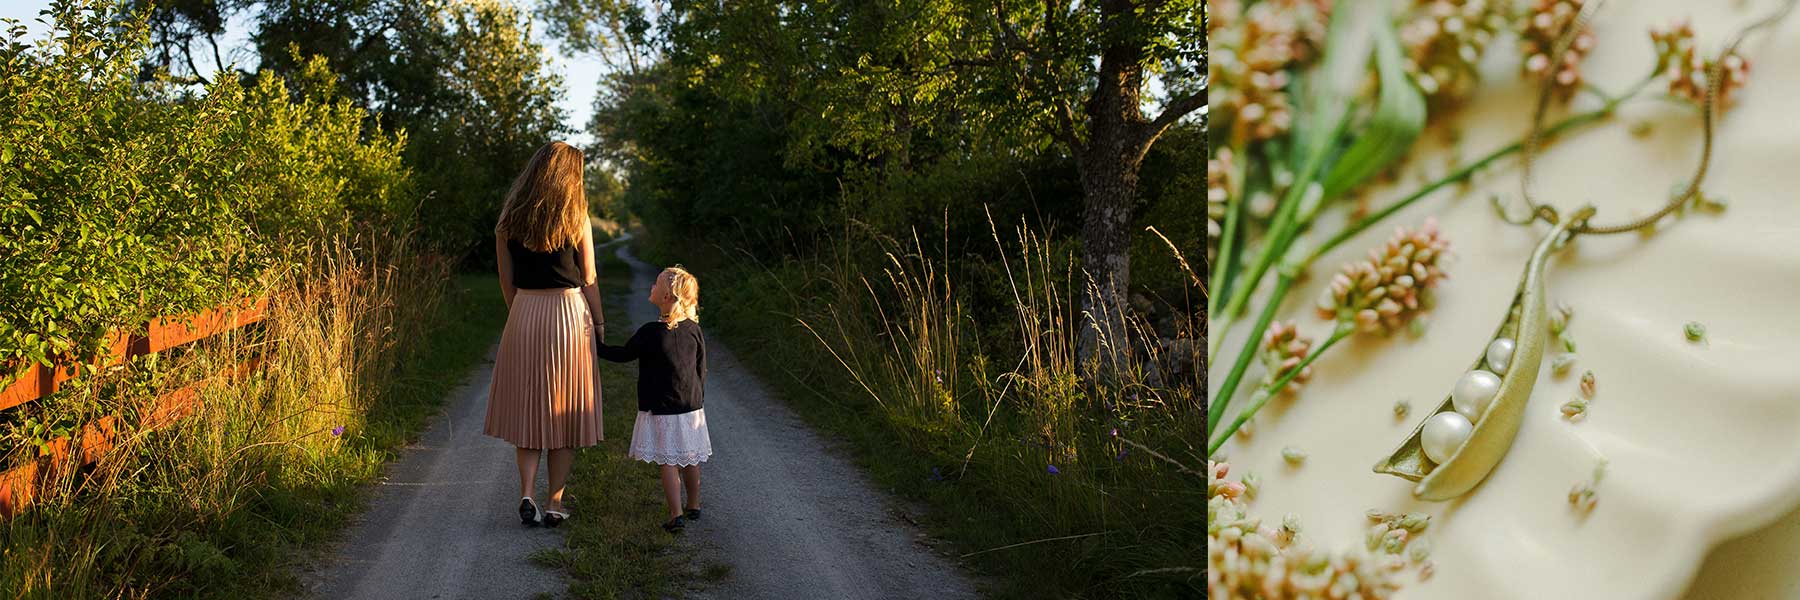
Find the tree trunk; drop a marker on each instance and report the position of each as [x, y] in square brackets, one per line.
[1109, 186]
[1109, 162]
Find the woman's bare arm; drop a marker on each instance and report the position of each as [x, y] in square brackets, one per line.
[503, 258]
[591, 291]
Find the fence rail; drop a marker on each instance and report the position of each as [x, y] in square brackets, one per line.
[18, 486]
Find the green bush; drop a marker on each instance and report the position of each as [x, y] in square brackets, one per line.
[121, 200]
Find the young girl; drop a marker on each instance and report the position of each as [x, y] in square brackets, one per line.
[671, 427]
[544, 395]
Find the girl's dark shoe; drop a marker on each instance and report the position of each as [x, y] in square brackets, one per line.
[673, 525]
[553, 518]
[692, 514]
[528, 512]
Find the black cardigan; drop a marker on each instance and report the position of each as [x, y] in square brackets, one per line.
[672, 374]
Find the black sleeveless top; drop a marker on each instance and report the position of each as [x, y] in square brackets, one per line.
[534, 270]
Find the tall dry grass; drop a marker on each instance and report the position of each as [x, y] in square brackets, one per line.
[1081, 471]
[211, 505]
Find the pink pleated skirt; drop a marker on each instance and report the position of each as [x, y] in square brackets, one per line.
[545, 392]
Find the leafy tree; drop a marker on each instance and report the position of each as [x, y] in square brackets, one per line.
[463, 77]
[857, 86]
[176, 25]
[122, 200]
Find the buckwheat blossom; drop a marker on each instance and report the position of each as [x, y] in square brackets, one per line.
[1381, 293]
[1544, 23]
[1282, 350]
[1249, 559]
[1219, 170]
[1679, 60]
[1252, 50]
[1444, 42]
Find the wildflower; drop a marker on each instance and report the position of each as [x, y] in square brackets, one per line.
[1678, 59]
[1545, 22]
[337, 431]
[1392, 286]
[1121, 456]
[1444, 41]
[935, 475]
[1115, 432]
[1219, 171]
[1282, 350]
[1053, 471]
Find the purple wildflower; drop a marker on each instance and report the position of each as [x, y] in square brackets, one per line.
[1122, 454]
[337, 431]
[1115, 432]
[935, 475]
[1053, 470]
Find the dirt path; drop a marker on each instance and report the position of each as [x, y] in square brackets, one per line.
[790, 514]
[444, 521]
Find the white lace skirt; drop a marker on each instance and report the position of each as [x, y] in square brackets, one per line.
[671, 439]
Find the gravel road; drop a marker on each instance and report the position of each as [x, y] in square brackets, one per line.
[790, 515]
[444, 522]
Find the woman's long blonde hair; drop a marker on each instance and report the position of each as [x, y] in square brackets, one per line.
[546, 209]
[686, 290]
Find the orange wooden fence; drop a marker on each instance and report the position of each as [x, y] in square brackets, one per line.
[18, 486]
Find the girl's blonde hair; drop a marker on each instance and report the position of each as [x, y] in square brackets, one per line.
[686, 290]
[546, 209]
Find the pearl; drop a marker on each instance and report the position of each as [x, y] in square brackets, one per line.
[1444, 433]
[1473, 393]
[1499, 354]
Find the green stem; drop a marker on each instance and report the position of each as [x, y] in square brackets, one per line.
[1227, 260]
[1261, 397]
[1283, 228]
[1285, 279]
[1457, 176]
[1217, 411]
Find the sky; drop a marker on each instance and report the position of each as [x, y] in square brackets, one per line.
[581, 73]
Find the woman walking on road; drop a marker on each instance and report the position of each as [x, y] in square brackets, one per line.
[545, 395]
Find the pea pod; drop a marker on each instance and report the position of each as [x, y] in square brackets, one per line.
[1527, 324]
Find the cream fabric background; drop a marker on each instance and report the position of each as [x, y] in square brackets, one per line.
[1703, 439]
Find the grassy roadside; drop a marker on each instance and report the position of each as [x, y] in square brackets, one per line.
[614, 547]
[1108, 523]
[227, 502]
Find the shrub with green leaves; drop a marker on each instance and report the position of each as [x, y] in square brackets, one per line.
[121, 199]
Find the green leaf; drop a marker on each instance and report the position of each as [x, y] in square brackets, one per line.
[1399, 118]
